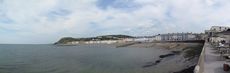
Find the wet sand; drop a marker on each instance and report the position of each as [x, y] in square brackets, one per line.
[183, 56]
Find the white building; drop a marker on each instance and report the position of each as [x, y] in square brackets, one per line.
[140, 39]
[108, 41]
[144, 39]
[73, 43]
[219, 28]
[176, 37]
[101, 42]
[158, 37]
[128, 39]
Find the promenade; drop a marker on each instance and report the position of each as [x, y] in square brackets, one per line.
[211, 60]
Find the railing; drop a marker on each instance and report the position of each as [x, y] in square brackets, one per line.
[200, 66]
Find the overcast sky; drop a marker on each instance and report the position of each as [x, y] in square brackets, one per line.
[46, 21]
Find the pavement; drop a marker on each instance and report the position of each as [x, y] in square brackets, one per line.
[213, 60]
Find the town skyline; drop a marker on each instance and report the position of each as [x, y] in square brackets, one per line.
[42, 21]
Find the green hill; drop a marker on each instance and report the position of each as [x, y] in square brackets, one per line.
[65, 40]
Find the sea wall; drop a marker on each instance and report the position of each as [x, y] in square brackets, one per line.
[200, 65]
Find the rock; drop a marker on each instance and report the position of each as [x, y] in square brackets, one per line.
[150, 64]
[167, 55]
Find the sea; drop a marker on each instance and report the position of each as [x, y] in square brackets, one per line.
[98, 58]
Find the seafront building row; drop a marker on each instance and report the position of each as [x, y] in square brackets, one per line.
[159, 37]
[164, 37]
[97, 42]
[179, 37]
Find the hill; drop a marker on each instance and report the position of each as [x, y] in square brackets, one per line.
[65, 40]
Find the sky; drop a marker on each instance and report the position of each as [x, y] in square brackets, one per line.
[46, 21]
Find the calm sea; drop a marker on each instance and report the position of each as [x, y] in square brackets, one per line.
[76, 59]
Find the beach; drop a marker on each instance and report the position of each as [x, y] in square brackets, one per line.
[182, 56]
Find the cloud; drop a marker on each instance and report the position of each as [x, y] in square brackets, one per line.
[42, 21]
[126, 5]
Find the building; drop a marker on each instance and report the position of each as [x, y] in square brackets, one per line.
[177, 37]
[73, 42]
[212, 34]
[158, 37]
[101, 42]
[128, 39]
[219, 28]
[225, 35]
[144, 39]
[215, 29]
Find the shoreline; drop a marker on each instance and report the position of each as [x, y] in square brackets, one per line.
[183, 55]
